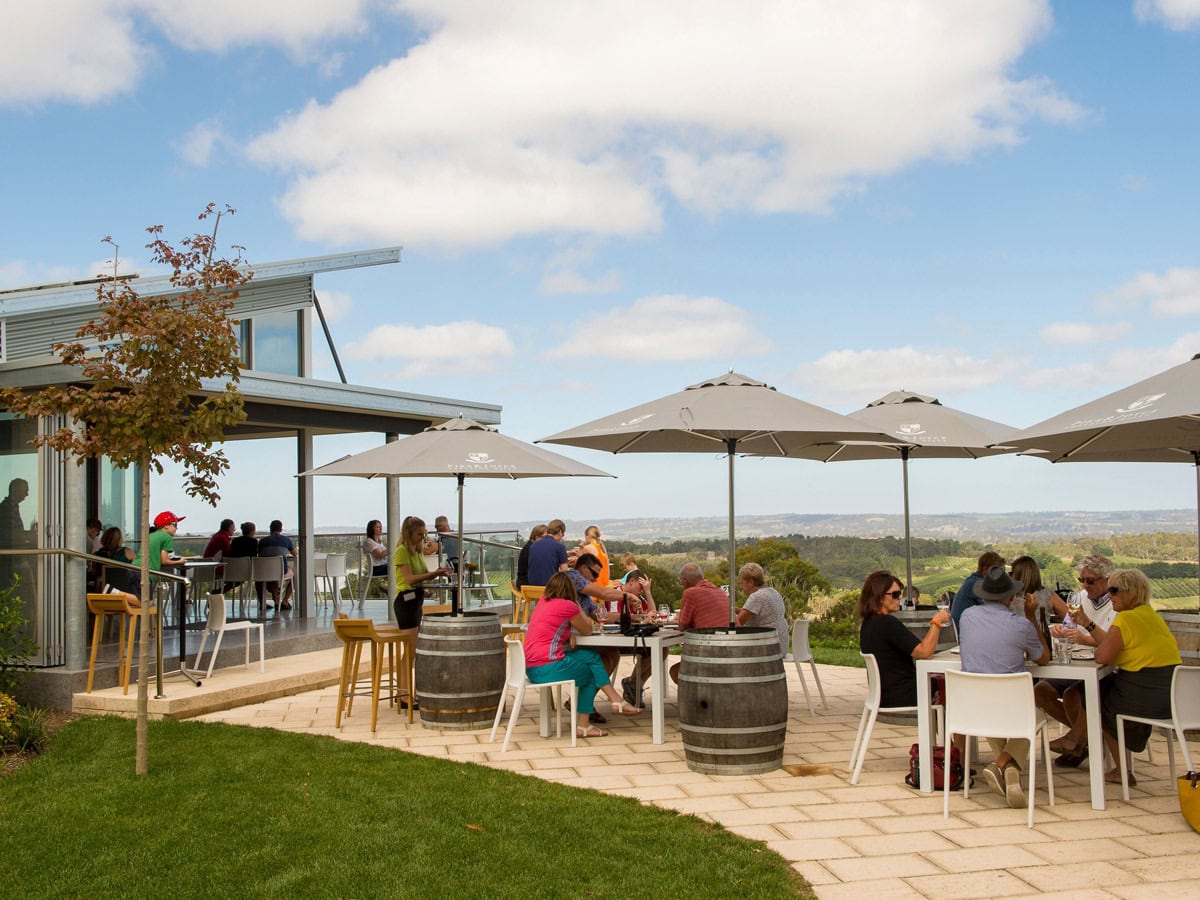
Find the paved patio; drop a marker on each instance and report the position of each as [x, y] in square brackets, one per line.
[878, 838]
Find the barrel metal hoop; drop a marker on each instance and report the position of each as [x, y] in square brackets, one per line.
[492, 652]
[749, 729]
[738, 679]
[728, 751]
[733, 660]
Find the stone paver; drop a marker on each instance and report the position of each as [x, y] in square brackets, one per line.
[874, 839]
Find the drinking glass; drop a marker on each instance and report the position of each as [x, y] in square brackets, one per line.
[943, 603]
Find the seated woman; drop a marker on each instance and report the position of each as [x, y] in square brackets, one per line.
[1145, 653]
[550, 653]
[125, 580]
[994, 640]
[375, 550]
[893, 644]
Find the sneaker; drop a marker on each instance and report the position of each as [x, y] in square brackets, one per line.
[994, 779]
[627, 690]
[1012, 786]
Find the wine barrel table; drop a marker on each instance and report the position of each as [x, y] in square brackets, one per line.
[460, 670]
[733, 701]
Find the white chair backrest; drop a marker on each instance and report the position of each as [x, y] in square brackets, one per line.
[801, 652]
[237, 569]
[216, 612]
[268, 568]
[320, 566]
[335, 565]
[873, 686]
[516, 660]
[995, 705]
[1185, 697]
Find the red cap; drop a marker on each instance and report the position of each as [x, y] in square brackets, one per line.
[163, 519]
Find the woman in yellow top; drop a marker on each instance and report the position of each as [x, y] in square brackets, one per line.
[592, 544]
[1144, 651]
[410, 573]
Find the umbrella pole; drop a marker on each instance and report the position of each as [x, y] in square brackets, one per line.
[1196, 457]
[907, 530]
[731, 445]
[462, 556]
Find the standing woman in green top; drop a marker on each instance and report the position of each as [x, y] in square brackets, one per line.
[411, 572]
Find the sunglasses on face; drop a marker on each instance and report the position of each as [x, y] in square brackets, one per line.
[1115, 590]
[1090, 581]
[895, 595]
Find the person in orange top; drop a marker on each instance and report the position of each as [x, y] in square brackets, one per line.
[593, 545]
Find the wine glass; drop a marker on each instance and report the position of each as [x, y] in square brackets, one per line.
[943, 602]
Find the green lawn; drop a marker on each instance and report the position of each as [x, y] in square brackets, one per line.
[245, 812]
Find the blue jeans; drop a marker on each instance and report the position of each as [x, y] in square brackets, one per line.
[583, 666]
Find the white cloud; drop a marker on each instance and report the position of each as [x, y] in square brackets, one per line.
[459, 348]
[218, 25]
[19, 274]
[82, 51]
[196, 147]
[859, 376]
[336, 305]
[1076, 333]
[90, 51]
[577, 117]
[1117, 368]
[1174, 293]
[667, 328]
[1178, 15]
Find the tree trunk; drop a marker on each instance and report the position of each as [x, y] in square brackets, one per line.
[142, 763]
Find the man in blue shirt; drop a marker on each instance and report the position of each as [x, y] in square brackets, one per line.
[547, 554]
[965, 598]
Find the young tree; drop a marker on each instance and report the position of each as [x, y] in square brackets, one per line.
[143, 359]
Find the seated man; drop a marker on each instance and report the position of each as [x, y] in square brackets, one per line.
[704, 605]
[279, 544]
[1063, 698]
[995, 640]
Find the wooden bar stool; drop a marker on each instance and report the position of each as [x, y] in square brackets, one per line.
[115, 604]
[355, 633]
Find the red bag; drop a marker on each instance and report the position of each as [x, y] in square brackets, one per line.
[913, 778]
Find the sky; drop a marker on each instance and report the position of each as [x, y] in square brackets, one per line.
[601, 202]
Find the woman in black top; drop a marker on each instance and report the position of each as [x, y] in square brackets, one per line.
[111, 547]
[889, 639]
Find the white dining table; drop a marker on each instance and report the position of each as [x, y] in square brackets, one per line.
[659, 682]
[1088, 672]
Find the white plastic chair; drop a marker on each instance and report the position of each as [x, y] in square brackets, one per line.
[871, 711]
[516, 678]
[269, 569]
[1185, 714]
[328, 572]
[237, 572]
[979, 705]
[802, 653]
[218, 624]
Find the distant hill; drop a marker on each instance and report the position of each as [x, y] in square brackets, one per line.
[961, 527]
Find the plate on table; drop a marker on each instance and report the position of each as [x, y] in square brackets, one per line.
[612, 629]
[1088, 653]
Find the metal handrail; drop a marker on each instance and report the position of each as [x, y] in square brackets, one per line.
[103, 560]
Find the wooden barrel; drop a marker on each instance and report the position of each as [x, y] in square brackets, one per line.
[1185, 625]
[460, 670]
[733, 701]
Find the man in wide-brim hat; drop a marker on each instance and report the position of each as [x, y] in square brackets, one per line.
[996, 640]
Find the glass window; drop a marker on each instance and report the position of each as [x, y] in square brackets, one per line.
[277, 343]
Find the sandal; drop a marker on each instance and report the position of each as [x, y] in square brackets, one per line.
[590, 731]
[1066, 746]
[1113, 776]
[621, 708]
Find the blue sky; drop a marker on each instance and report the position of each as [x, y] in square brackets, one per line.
[602, 202]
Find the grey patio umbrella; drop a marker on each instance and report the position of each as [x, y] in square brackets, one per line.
[729, 413]
[461, 448]
[1155, 420]
[920, 426]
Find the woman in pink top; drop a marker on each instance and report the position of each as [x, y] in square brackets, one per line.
[551, 655]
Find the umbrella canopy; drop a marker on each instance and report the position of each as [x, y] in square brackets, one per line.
[458, 448]
[920, 426]
[1155, 420]
[731, 414]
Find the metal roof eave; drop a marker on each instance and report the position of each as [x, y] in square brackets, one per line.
[50, 297]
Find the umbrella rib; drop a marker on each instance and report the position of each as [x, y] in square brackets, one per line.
[1083, 446]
